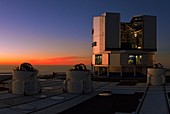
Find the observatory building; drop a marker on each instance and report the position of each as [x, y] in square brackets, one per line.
[123, 47]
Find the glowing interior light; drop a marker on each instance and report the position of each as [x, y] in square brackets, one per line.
[139, 47]
[135, 34]
[131, 55]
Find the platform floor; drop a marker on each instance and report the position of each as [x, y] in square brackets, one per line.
[52, 100]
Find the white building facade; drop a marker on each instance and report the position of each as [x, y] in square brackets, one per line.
[123, 47]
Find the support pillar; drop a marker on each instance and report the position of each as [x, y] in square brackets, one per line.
[121, 73]
[98, 73]
[107, 71]
[134, 71]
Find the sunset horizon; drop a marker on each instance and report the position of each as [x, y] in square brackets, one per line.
[70, 60]
[56, 33]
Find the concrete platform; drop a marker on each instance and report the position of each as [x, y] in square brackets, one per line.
[155, 101]
[52, 100]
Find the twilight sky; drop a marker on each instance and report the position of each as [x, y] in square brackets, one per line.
[59, 31]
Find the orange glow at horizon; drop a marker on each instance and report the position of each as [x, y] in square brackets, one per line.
[71, 60]
[9, 61]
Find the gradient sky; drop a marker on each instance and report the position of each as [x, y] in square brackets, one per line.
[59, 31]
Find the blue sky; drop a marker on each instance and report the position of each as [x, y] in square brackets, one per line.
[32, 30]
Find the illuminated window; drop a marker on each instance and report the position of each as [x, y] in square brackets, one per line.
[135, 59]
[132, 34]
[98, 60]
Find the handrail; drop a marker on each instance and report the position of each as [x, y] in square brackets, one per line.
[142, 100]
[167, 101]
